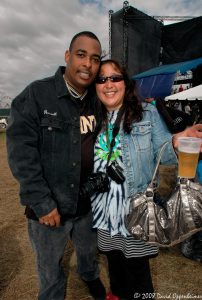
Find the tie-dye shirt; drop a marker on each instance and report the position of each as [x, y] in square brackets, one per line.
[109, 208]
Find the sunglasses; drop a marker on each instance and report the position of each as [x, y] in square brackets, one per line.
[112, 78]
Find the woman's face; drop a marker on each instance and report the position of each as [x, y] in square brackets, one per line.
[111, 92]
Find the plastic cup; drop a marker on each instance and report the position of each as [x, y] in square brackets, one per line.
[188, 154]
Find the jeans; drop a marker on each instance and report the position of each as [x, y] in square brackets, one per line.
[49, 244]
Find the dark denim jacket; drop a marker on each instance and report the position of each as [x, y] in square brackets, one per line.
[44, 145]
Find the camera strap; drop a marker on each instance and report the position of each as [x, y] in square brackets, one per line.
[114, 133]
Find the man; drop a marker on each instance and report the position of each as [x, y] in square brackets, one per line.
[50, 152]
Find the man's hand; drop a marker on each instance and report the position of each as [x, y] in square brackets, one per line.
[52, 219]
[193, 131]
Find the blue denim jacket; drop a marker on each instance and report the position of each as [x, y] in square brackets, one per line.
[140, 149]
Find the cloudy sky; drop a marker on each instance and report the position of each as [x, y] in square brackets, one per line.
[34, 34]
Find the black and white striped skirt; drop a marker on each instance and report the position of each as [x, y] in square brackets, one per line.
[128, 245]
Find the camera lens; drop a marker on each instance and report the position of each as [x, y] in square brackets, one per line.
[97, 183]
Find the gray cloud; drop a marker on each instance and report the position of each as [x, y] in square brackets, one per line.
[35, 34]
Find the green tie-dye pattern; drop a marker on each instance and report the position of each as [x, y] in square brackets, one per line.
[103, 151]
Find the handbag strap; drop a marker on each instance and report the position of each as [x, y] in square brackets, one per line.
[154, 177]
[150, 196]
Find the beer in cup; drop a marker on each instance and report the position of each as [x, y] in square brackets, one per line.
[188, 154]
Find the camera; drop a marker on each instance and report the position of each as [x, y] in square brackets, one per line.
[115, 172]
[96, 183]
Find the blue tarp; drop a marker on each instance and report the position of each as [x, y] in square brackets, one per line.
[171, 68]
[155, 86]
[157, 82]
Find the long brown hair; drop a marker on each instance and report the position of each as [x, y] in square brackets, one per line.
[133, 111]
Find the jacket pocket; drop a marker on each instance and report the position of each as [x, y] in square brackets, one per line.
[141, 135]
[51, 127]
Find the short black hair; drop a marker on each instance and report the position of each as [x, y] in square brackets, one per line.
[83, 33]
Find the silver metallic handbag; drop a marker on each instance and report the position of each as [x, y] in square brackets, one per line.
[166, 225]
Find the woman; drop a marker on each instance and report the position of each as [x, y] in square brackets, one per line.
[134, 150]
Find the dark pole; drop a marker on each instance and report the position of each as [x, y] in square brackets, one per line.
[110, 33]
[125, 34]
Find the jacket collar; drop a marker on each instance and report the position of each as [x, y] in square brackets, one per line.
[62, 91]
[60, 85]
[61, 88]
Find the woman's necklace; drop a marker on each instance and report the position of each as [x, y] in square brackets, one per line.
[73, 92]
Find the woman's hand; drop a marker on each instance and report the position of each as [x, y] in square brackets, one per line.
[193, 131]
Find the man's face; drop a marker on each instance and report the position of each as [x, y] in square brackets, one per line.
[83, 62]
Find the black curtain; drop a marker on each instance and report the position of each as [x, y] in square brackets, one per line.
[148, 43]
[142, 40]
[197, 75]
[182, 41]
